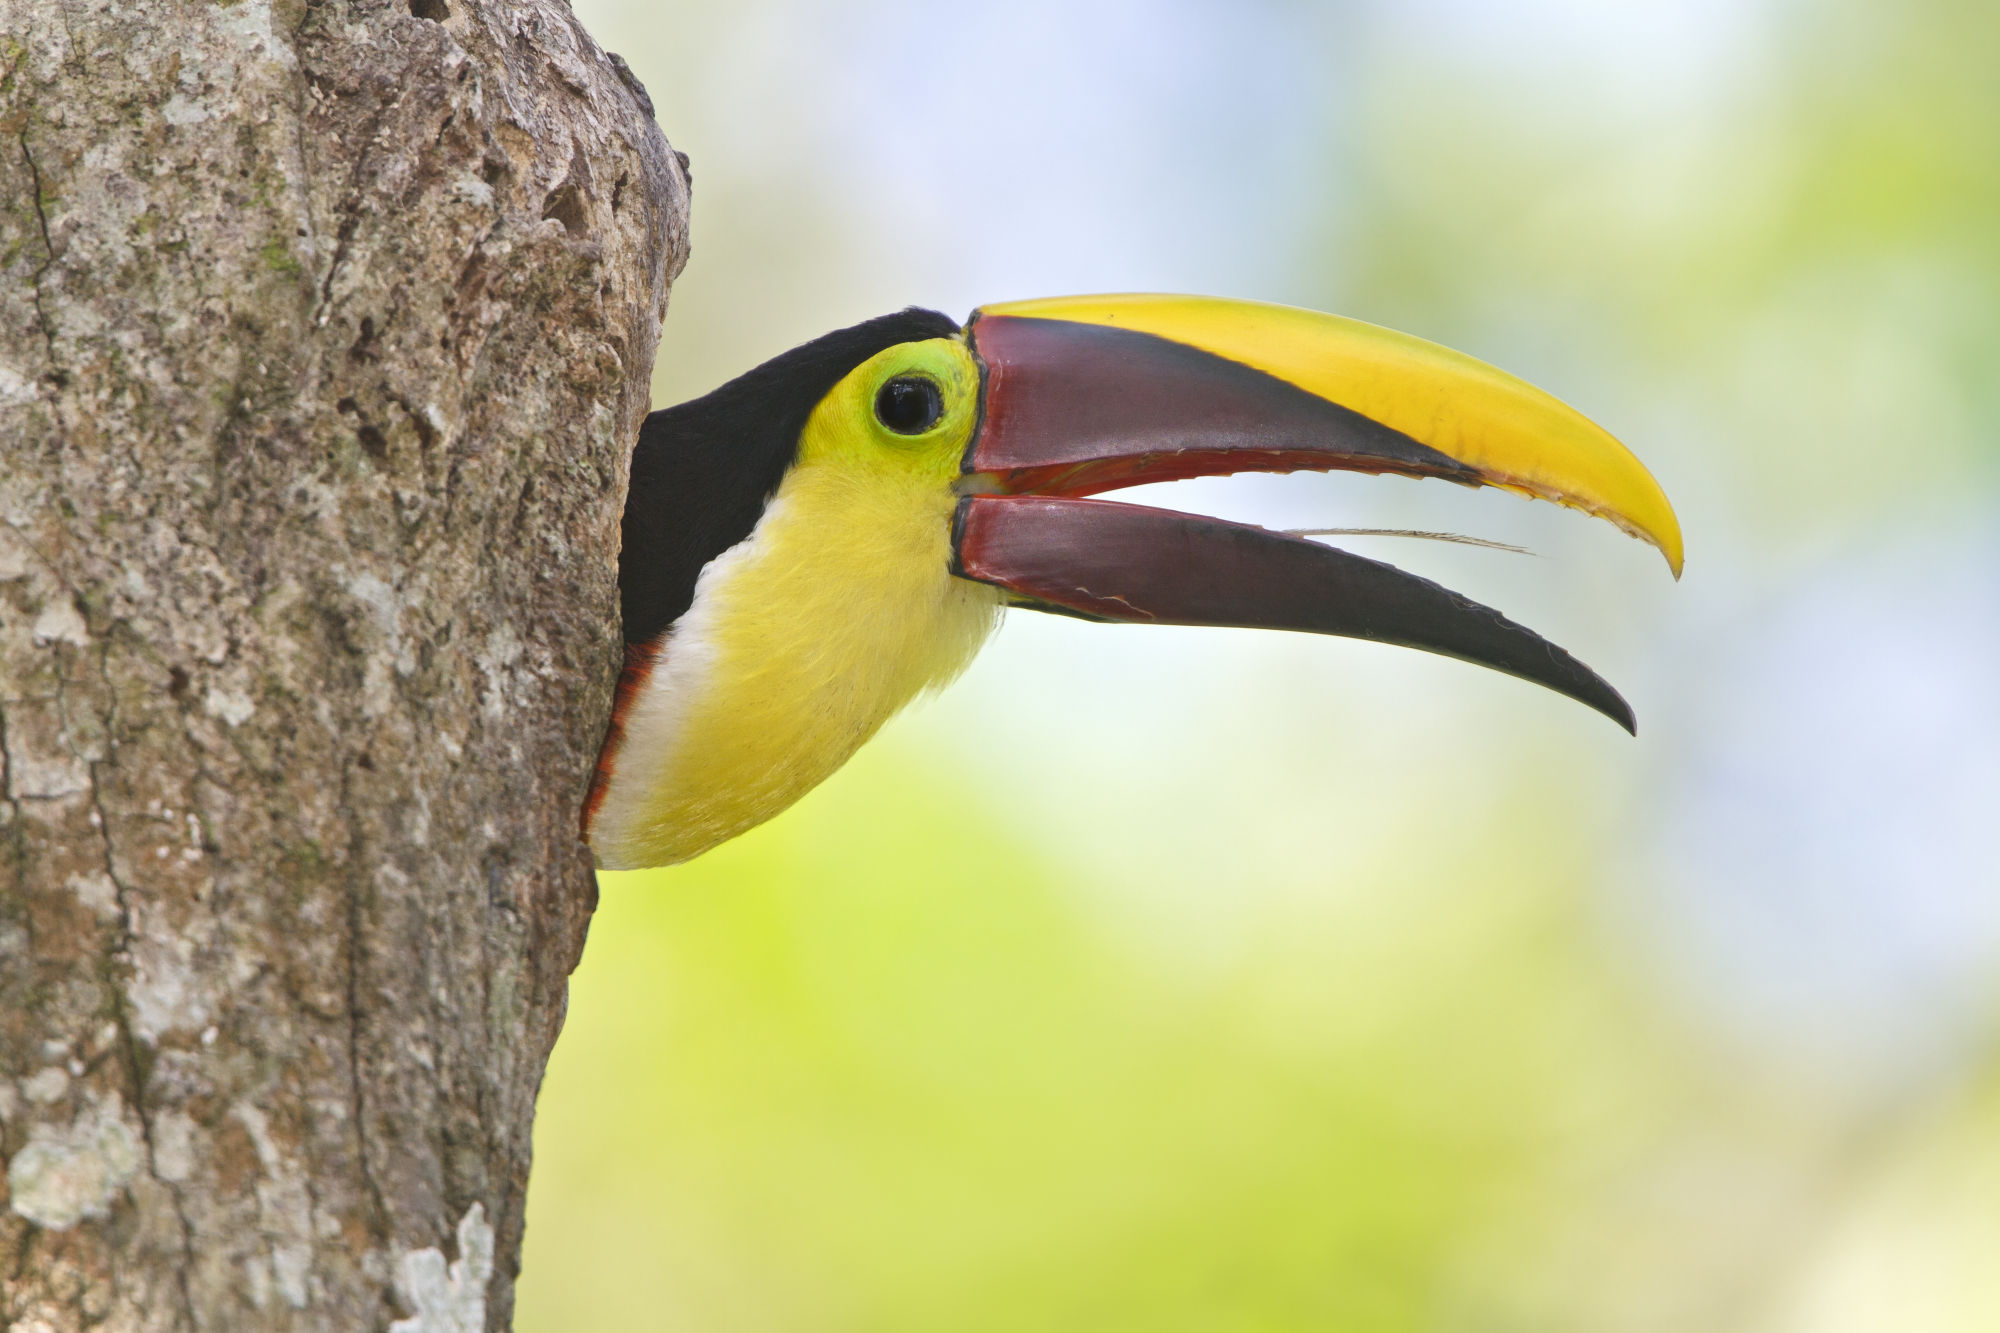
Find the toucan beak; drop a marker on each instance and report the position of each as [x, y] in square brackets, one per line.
[1087, 394]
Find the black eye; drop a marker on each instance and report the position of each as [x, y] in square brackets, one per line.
[909, 404]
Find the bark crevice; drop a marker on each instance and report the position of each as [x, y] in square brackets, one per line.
[128, 1048]
[378, 1211]
[48, 255]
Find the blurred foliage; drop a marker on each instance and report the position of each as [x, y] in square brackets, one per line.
[871, 1072]
[1162, 981]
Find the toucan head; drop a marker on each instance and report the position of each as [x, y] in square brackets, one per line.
[816, 542]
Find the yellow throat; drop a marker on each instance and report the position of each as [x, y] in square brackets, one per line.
[804, 638]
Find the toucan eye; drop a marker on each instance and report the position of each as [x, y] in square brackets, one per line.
[909, 404]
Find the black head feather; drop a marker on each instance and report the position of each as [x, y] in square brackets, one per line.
[704, 470]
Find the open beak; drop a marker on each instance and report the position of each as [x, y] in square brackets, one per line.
[1088, 394]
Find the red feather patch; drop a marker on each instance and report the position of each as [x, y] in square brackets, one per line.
[639, 660]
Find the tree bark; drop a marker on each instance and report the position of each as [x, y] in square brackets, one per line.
[325, 330]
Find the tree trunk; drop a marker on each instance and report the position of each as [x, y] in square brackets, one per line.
[325, 329]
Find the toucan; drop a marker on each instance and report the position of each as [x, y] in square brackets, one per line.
[821, 539]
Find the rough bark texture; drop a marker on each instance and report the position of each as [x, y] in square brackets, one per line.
[325, 328]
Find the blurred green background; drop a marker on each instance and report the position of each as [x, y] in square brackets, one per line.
[1191, 980]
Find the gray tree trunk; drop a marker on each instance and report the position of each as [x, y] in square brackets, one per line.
[325, 329]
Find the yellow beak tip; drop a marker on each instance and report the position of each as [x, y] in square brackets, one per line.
[1664, 532]
[1669, 543]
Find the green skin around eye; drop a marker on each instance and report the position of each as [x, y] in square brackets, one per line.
[845, 432]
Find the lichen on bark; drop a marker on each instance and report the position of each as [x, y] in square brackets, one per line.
[324, 331]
